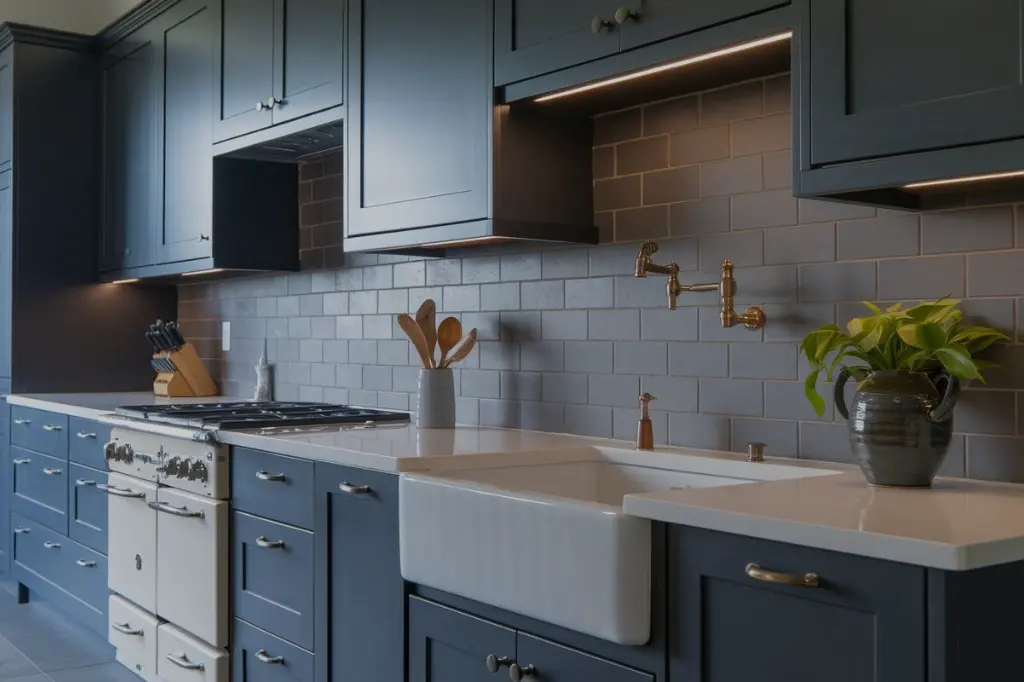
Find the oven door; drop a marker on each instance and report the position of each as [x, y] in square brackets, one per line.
[192, 563]
[131, 539]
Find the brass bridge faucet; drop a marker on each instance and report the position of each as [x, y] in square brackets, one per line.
[752, 319]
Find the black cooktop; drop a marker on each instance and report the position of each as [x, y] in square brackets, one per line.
[252, 415]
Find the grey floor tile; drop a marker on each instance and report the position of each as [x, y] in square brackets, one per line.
[38, 677]
[13, 663]
[105, 672]
[54, 642]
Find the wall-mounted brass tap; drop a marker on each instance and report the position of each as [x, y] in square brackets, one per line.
[752, 319]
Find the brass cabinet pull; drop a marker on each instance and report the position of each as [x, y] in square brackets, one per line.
[263, 657]
[52, 427]
[269, 544]
[806, 580]
[86, 436]
[352, 489]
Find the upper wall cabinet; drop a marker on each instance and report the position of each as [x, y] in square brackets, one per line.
[534, 37]
[895, 93]
[278, 60]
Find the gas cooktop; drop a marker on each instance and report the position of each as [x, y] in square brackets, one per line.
[252, 415]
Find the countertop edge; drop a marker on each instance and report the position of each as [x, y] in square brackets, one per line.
[60, 408]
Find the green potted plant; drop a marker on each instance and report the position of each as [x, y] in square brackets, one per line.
[908, 364]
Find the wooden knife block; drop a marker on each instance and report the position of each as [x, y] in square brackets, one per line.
[190, 379]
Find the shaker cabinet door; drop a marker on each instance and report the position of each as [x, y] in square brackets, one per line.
[310, 66]
[656, 20]
[447, 645]
[245, 69]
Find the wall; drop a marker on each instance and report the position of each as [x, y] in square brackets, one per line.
[81, 16]
[570, 338]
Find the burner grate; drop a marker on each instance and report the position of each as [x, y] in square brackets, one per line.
[253, 415]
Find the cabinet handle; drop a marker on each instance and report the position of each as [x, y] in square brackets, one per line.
[22, 422]
[51, 545]
[204, 237]
[598, 24]
[21, 460]
[86, 564]
[351, 489]
[265, 476]
[625, 14]
[273, 102]
[263, 657]
[119, 492]
[181, 660]
[86, 436]
[806, 580]
[260, 106]
[52, 472]
[269, 544]
[517, 672]
[177, 511]
[83, 482]
[495, 663]
[52, 427]
[126, 629]
[20, 531]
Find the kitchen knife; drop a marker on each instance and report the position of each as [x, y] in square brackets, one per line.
[165, 337]
[175, 334]
[154, 334]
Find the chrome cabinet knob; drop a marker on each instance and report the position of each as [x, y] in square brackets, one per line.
[260, 106]
[517, 673]
[273, 102]
[598, 24]
[624, 15]
[495, 663]
[204, 237]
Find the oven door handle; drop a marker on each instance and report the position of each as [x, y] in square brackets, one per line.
[126, 629]
[120, 492]
[181, 660]
[176, 511]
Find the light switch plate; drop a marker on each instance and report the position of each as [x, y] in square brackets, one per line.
[225, 336]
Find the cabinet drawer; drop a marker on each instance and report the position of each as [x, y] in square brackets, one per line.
[132, 631]
[184, 658]
[40, 488]
[258, 656]
[87, 507]
[279, 488]
[38, 548]
[85, 442]
[84, 574]
[40, 431]
[273, 581]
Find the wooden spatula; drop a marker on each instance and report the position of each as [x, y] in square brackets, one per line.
[415, 334]
[464, 349]
[426, 319]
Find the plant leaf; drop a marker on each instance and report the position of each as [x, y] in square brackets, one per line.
[894, 307]
[872, 307]
[811, 391]
[926, 335]
[957, 362]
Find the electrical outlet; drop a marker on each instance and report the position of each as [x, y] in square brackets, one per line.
[225, 336]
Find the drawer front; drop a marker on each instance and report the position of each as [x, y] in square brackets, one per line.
[273, 577]
[184, 658]
[40, 431]
[85, 442]
[258, 656]
[39, 549]
[87, 507]
[192, 564]
[131, 536]
[40, 484]
[84, 574]
[132, 632]
[279, 488]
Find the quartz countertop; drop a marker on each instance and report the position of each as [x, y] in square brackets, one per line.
[955, 525]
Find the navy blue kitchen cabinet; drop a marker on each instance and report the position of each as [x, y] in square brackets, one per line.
[278, 60]
[360, 602]
[5, 487]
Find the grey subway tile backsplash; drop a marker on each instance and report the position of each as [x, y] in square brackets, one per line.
[567, 337]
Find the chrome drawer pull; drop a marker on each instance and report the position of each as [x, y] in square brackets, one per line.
[51, 545]
[269, 544]
[126, 629]
[84, 482]
[86, 436]
[266, 476]
[120, 492]
[52, 427]
[806, 580]
[86, 564]
[19, 530]
[181, 660]
[22, 422]
[20, 460]
[354, 489]
[263, 657]
[52, 472]
[177, 511]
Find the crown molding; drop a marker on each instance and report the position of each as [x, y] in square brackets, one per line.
[136, 18]
[33, 35]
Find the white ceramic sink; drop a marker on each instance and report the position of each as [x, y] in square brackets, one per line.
[550, 540]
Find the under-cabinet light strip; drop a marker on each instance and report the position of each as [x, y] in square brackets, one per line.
[779, 37]
[125, 281]
[965, 179]
[202, 272]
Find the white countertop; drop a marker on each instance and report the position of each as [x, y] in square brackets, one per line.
[956, 525]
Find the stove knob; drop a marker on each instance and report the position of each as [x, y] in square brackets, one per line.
[171, 468]
[181, 467]
[110, 450]
[198, 472]
[127, 454]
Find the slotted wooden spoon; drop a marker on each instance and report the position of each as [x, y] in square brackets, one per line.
[448, 335]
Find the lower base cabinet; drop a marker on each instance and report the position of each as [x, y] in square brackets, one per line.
[446, 644]
[258, 656]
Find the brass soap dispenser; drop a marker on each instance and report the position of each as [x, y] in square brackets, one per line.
[644, 428]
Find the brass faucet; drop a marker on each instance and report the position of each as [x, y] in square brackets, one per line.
[752, 319]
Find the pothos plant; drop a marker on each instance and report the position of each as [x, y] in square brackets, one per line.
[928, 337]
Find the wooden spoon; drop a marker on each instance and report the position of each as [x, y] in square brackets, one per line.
[448, 334]
[464, 349]
[415, 334]
[426, 319]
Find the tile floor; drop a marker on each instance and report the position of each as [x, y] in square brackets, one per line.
[41, 644]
